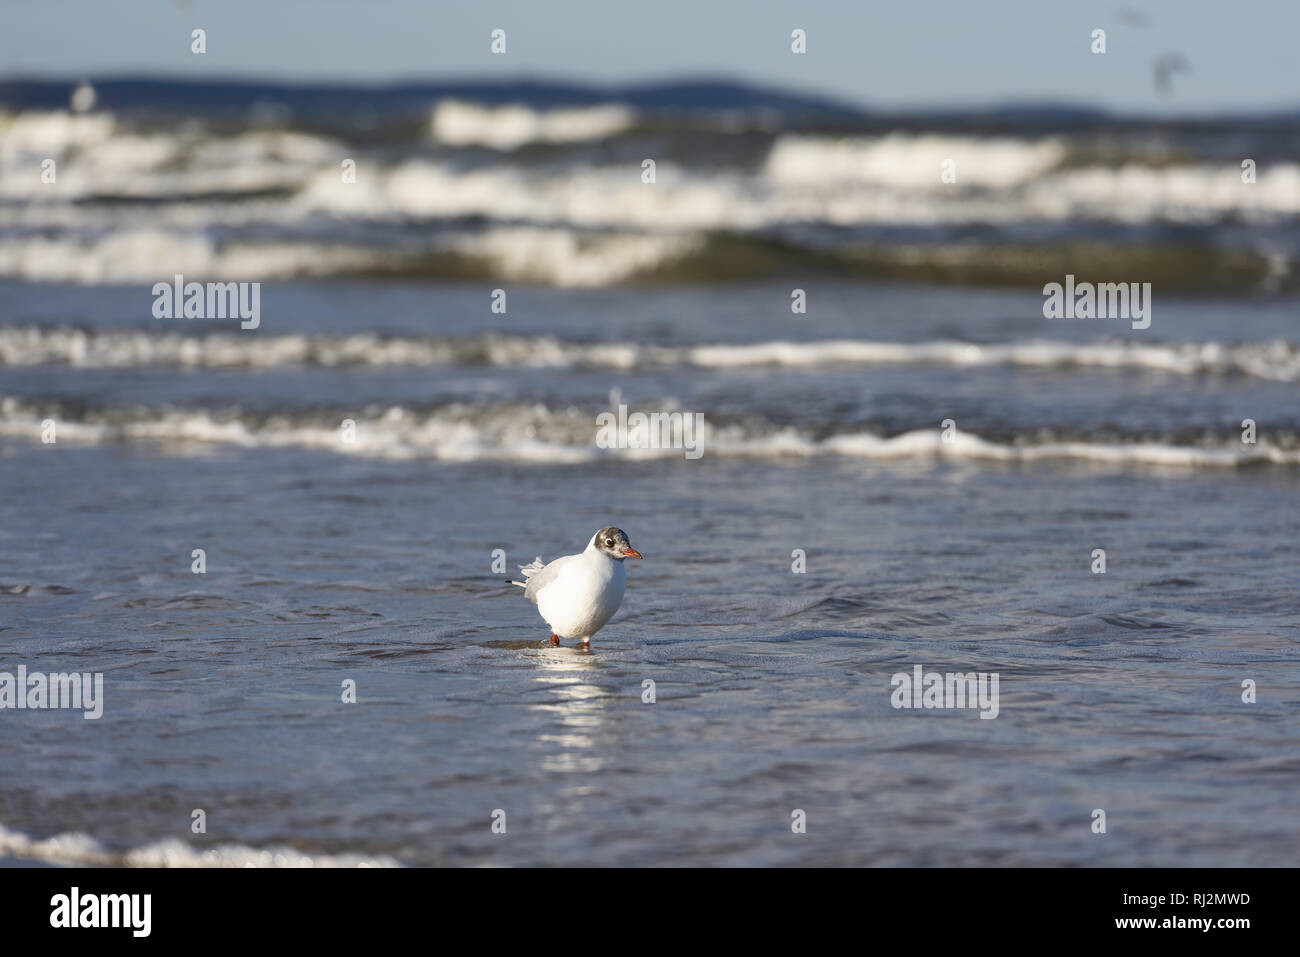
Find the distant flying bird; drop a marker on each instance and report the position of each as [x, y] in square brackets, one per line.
[1132, 18]
[1165, 67]
[577, 594]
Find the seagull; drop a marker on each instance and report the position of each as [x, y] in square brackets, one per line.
[577, 594]
[1165, 66]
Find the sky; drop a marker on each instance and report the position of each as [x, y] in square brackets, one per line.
[874, 53]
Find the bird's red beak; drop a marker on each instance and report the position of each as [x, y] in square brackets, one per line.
[631, 552]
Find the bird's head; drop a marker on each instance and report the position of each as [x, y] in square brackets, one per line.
[613, 542]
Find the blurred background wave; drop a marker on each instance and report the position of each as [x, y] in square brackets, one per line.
[541, 182]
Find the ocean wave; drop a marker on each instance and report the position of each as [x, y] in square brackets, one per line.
[135, 199]
[98, 157]
[792, 190]
[81, 850]
[563, 257]
[1173, 194]
[536, 434]
[49, 132]
[557, 257]
[1275, 360]
[890, 179]
[458, 123]
[153, 255]
[605, 197]
[1033, 180]
[912, 161]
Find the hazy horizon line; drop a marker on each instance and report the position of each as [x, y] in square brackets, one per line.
[813, 97]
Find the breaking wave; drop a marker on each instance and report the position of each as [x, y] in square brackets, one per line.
[536, 434]
[912, 161]
[1277, 360]
[457, 123]
[471, 198]
[522, 254]
[80, 850]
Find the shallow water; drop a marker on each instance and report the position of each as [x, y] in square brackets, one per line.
[372, 562]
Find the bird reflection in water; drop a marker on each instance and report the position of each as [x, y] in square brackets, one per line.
[576, 707]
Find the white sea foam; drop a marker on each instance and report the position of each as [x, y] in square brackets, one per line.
[563, 258]
[457, 123]
[605, 197]
[539, 435]
[911, 161]
[890, 178]
[150, 255]
[95, 155]
[1028, 176]
[928, 443]
[522, 254]
[1275, 360]
[567, 224]
[1024, 186]
[1187, 193]
[81, 850]
[50, 132]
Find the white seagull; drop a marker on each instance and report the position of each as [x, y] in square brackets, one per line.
[577, 594]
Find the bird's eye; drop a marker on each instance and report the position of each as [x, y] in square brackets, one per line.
[609, 543]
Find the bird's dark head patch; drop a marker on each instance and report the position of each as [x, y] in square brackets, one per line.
[613, 542]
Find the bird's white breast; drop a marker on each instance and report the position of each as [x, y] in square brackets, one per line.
[583, 596]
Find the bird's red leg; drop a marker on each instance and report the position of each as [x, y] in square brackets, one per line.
[555, 639]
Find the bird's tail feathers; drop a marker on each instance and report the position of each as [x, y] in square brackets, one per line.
[529, 571]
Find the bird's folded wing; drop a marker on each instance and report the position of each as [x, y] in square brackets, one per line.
[540, 577]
